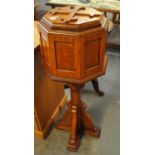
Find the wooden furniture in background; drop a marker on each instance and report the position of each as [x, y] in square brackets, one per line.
[102, 5]
[73, 44]
[49, 96]
[35, 9]
[105, 6]
[109, 8]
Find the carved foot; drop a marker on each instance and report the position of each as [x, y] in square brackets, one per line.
[96, 87]
[73, 144]
[87, 123]
[86, 128]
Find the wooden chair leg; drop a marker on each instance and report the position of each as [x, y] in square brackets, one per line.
[96, 87]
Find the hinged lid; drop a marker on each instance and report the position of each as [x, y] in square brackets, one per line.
[73, 18]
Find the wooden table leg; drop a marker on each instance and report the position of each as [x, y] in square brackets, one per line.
[77, 120]
[96, 87]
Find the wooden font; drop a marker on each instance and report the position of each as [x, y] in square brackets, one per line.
[73, 48]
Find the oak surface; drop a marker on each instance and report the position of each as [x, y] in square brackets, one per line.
[73, 50]
[36, 35]
[49, 95]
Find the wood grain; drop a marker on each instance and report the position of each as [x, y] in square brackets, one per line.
[74, 52]
[49, 96]
[36, 35]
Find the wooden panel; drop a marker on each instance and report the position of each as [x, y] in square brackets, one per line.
[42, 134]
[92, 49]
[64, 56]
[48, 94]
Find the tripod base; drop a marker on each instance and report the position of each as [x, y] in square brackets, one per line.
[77, 120]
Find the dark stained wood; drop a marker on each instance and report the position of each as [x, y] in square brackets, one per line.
[96, 87]
[74, 52]
[35, 9]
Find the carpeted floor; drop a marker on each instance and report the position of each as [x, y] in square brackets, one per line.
[105, 112]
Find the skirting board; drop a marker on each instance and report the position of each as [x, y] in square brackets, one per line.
[43, 134]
